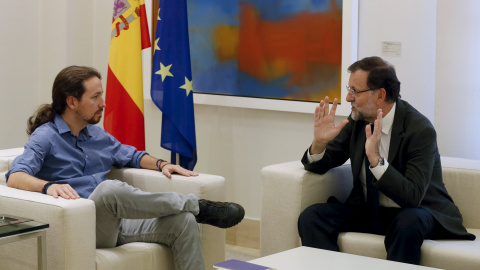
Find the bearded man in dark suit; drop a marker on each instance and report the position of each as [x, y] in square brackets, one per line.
[398, 189]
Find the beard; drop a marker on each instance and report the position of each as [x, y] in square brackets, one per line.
[95, 119]
[369, 112]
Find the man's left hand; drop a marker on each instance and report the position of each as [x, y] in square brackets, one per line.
[372, 144]
[168, 169]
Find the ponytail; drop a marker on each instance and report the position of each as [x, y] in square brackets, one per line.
[44, 114]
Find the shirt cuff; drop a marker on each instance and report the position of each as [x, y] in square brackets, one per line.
[135, 163]
[379, 170]
[315, 157]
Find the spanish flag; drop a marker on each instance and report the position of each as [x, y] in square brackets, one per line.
[124, 95]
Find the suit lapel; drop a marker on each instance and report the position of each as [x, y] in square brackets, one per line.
[397, 130]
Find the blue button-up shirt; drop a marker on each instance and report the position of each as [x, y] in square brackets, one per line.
[54, 153]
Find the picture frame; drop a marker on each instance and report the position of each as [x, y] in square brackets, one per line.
[349, 55]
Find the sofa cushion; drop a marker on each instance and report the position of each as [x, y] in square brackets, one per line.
[435, 253]
[462, 180]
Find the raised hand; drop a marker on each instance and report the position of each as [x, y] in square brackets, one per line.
[372, 144]
[324, 129]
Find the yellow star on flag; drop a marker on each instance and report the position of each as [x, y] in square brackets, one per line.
[188, 86]
[164, 71]
[158, 18]
[156, 46]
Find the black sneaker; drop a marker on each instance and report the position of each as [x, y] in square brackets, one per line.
[220, 214]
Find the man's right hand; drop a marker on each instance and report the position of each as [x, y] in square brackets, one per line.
[25, 181]
[324, 128]
[62, 190]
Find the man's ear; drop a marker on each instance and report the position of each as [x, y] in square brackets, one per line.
[72, 102]
[382, 95]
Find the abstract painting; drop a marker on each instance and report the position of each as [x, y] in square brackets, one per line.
[274, 49]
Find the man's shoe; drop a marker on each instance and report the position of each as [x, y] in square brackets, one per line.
[220, 214]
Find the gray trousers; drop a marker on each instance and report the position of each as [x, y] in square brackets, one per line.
[126, 214]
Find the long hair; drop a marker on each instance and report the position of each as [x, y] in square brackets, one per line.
[69, 82]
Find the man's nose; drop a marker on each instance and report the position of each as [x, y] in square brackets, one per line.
[349, 97]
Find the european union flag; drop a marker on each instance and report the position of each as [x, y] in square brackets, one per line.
[172, 89]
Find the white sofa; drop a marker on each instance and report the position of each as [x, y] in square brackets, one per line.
[287, 189]
[71, 235]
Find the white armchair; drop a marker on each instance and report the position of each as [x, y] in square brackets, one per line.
[287, 189]
[71, 235]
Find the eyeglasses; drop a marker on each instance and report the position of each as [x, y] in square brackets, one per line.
[355, 92]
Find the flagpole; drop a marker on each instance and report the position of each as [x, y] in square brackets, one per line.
[174, 158]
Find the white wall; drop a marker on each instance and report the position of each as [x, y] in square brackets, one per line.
[236, 142]
[34, 46]
[19, 69]
[411, 22]
[457, 88]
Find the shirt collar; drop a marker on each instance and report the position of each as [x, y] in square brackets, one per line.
[63, 128]
[387, 121]
[61, 125]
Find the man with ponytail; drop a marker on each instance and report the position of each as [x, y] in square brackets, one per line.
[69, 156]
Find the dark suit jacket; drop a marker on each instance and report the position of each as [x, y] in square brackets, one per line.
[414, 176]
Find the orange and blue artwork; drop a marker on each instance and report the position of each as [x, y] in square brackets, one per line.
[278, 49]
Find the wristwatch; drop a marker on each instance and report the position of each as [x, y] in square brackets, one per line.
[46, 186]
[381, 161]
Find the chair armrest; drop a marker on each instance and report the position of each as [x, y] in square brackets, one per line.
[287, 189]
[204, 186]
[6, 158]
[70, 237]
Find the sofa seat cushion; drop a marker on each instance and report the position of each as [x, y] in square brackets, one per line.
[435, 253]
[135, 255]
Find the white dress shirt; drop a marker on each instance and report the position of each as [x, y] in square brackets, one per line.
[378, 171]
